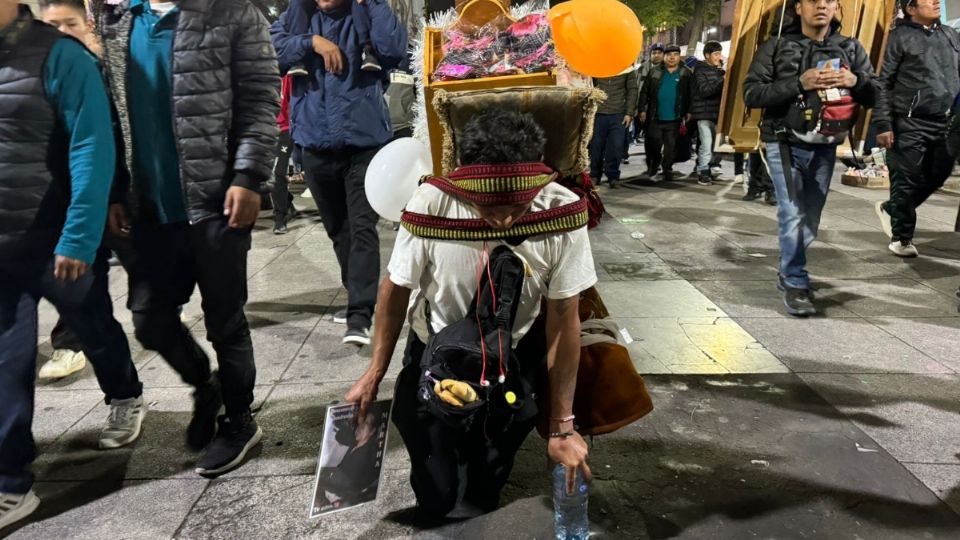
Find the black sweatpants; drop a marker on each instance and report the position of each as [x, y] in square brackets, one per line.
[447, 465]
[170, 260]
[336, 181]
[661, 144]
[919, 165]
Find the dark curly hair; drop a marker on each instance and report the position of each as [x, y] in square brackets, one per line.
[498, 137]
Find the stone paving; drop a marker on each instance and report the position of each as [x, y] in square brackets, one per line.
[840, 426]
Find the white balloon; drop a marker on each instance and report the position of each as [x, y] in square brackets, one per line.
[393, 175]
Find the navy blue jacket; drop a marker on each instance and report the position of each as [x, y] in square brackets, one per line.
[334, 112]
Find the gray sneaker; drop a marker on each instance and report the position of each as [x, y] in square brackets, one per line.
[14, 508]
[340, 316]
[123, 423]
[357, 336]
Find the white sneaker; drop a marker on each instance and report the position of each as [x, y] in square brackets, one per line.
[13, 508]
[62, 363]
[123, 423]
[738, 179]
[903, 250]
[884, 219]
[716, 172]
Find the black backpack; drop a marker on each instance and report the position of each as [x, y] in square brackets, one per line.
[478, 350]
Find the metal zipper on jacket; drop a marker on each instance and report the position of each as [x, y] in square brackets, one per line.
[913, 104]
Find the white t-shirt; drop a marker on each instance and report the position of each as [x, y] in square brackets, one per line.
[444, 272]
[162, 8]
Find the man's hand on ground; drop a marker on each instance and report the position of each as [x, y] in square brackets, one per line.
[242, 206]
[571, 452]
[332, 57]
[118, 221]
[66, 269]
[364, 392]
[886, 140]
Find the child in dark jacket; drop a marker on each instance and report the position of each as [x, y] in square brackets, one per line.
[301, 11]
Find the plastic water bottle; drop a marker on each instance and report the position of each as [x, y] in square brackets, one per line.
[570, 520]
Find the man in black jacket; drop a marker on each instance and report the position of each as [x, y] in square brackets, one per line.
[664, 102]
[614, 117]
[196, 87]
[705, 105]
[792, 75]
[919, 80]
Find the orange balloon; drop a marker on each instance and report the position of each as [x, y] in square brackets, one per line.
[599, 38]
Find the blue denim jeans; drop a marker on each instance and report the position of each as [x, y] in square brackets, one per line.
[800, 203]
[706, 130]
[85, 306]
[606, 147]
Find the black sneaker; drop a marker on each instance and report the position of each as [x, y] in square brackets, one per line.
[648, 174]
[297, 71]
[614, 184]
[207, 401]
[668, 176]
[357, 336]
[799, 303]
[751, 196]
[704, 180]
[236, 436]
[280, 228]
[369, 60]
[782, 287]
[769, 198]
[340, 316]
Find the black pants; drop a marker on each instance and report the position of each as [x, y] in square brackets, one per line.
[758, 179]
[336, 182]
[919, 165]
[738, 163]
[170, 261]
[280, 194]
[447, 465]
[661, 144]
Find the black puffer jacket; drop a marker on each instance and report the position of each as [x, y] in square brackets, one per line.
[707, 92]
[920, 75]
[226, 95]
[649, 101]
[773, 82]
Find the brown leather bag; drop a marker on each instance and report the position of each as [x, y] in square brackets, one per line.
[610, 393]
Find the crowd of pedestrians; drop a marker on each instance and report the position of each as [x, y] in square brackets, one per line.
[150, 130]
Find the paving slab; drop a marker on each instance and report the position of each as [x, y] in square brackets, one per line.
[143, 510]
[656, 299]
[936, 337]
[912, 416]
[760, 299]
[838, 346]
[944, 480]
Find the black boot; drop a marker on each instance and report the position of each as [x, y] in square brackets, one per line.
[751, 195]
[704, 179]
[236, 436]
[770, 198]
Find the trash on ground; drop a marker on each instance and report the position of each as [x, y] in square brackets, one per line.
[637, 235]
[633, 221]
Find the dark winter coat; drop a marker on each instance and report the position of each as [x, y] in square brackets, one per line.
[920, 76]
[335, 112]
[622, 91]
[651, 87]
[226, 95]
[773, 81]
[35, 187]
[707, 92]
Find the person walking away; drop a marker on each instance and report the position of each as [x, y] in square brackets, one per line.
[664, 104]
[656, 58]
[283, 208]
[919, 79]
[614, 117]
[705, 106]
[452, 465]
[341, 123]
[200, 109]
[57, 156]
[796, 77]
